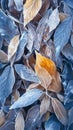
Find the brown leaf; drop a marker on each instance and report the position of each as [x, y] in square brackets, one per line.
[44, 77]
[62, 16]
[19, 122]
[3, 56]
[45, 105]
[12, 48]
[60, 111]
[47, 73]
[31, 8]
[2, 117]
[15, 96]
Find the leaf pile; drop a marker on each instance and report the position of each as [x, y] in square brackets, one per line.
[36, 64]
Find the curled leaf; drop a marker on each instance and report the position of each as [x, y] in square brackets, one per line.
[31, 8]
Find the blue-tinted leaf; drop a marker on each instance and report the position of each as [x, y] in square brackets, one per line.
[52, 124]
[22, 44]
[19, 4]
[7, 80]
[9, 125]
[25, 73]
[27, 99]
[69, 2]
[70, 114]
[4, 4]
[62, 34]
[68, 52]
[69, 93]
[8, 29]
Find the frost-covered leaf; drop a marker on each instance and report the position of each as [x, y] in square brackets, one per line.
[25, 73]
[3, 57]
[7, 126]
[59, 111]
[12, 48]
[32, 117]
[28, 98]
[31, 8]
[53, 20]
[52, 124]
[21, 46]
[19, 4]
[8, 29]
[7, 80]
[69, 2]
[68, 52]
[19, 122]
[62, 34]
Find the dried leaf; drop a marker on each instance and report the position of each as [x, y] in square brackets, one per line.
[27, 98]
[45, 104]
[60, 111]
[19, 122]
[25, 73]
[44, 77]
[62, 16]
[15, 96]
[7, 80]
[54, 84]
[2, 117]
[69, 2]
[31, 8]
[12, 48]
[3, 57]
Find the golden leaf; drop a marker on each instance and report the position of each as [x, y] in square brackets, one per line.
[31, 8]
[46, 71]
[12, 48]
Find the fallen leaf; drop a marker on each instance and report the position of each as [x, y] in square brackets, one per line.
[46, 66]
[25, 73]
[53, 20]
[62, 16]
[27, 98]
[7, 80]
[7, 126]
[60, 111]
[45, 105]
[3, 57]
[52, 124]
[12, 48]
[31, 8]
[44, 77]
[19, 122]
[2, 117]
[62, 35]
[32, 117]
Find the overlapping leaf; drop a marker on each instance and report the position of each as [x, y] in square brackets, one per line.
[27, 98]
[31, 9]
[7, 80]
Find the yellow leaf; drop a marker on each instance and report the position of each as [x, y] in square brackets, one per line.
[31, 8]
[12, 48]
[47, 73]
